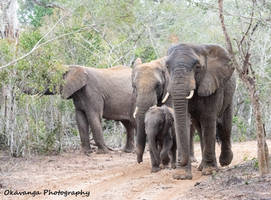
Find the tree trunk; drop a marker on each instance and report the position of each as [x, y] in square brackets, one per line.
[9, 30]
[248, 77]
[8, 19]
[263, 157]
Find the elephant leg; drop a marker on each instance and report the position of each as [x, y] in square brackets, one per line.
[154, 153]
[209, 163]
[140, 139]
[83, 128]
[224, 133]
[202, 149]
[96, 128]
[192, 154]
[129, 146]
[166, 146]
[196, 126]
[173, 151]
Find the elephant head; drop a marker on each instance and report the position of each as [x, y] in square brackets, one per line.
[74, 79]
[195, 70]
[150, 82]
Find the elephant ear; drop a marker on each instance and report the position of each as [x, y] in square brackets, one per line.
[218, 69]
[74, 80]
[136, 63]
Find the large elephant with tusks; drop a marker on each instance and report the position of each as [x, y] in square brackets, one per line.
[202, 88]
[150, 82]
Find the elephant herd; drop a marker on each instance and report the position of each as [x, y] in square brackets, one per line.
[163, 101]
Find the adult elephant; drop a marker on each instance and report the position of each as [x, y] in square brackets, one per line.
[97, 94]
[202, 86]
[150, 83]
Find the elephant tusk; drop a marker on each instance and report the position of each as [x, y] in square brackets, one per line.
[134, 115]
[190, 95]
[165, 98]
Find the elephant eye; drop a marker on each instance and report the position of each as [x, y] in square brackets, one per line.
[157, 86]
[188, 69]
[196, 62]
[197, 66]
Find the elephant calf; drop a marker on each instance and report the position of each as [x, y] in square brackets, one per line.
[159, 127]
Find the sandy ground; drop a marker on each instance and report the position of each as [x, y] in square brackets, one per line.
[114, 176]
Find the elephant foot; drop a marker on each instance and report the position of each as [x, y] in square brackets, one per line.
[165, 162]
[225, 157]
[128, 149]
[139, 156]
[200, 167]
[103, 150]
[163, 166]
[173, 165]
[209, 170]
[182, 175]
[193, 159]
[155, 169]
[87, 151]
[139, 160]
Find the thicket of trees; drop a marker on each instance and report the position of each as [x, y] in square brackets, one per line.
[101, 33]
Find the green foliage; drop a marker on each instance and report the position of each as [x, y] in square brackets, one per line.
[6, 50]
[196, 138]
[31, 13]
[3, 77]
[29, 39]
[124, 17]
[38, 133]
[104, 34]
[146, 54]
[255, 163]
[3, 141]
[242, 128]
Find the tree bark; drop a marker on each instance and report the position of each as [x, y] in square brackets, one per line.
[8, 18]
[9, 30]
[263, 157]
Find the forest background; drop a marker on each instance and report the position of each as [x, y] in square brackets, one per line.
[106, 33]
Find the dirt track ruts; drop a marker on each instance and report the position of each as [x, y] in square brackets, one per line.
[108, 176]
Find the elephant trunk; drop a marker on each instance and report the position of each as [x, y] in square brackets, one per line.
[33, 91]
[143, 105]
[180, 105]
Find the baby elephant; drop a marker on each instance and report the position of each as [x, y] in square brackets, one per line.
[159, 127]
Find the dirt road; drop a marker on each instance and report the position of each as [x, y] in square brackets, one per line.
[105, 177]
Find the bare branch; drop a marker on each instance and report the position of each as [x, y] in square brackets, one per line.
[266, 20]
[249, 26]
[135, 42]
[151, 40]
[39, 44]
[221, 16]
